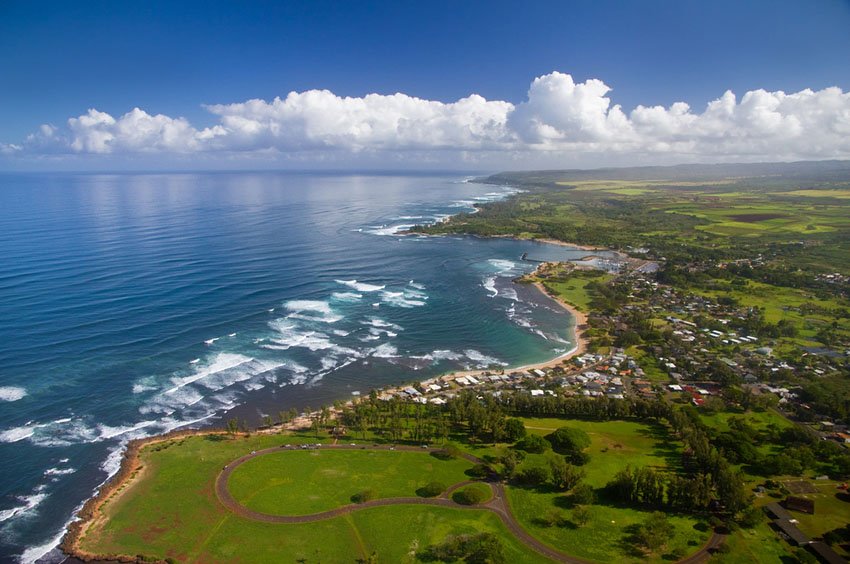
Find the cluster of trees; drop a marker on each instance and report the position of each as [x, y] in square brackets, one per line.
[483, 548]
[647, 487]
[397, 419]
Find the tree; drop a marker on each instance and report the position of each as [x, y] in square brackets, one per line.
[564, 476]
[568, 440]
[232, 426]
[483, 548]
[510, 460]
[471, 495]
[534, 444]
[364, 496]
[513, 430]
[583, 494]
[431, 489]
[534, 476]
[580, 515]
[655, 532]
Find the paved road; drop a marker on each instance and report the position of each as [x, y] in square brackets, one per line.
[498, 504]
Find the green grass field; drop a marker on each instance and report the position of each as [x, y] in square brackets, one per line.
[759, 545]
[574, 290]
[172, 511]
[309, 481]
[614, 445]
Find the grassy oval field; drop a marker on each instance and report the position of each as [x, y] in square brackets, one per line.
[301, 482]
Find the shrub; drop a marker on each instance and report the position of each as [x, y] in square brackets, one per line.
[479, 471]
[431, 489]
[472, 495]
[583, 494]
[534, 476]
[534, 444]
[447, 452]
[364, 496]
[567, 440]
[483, 548]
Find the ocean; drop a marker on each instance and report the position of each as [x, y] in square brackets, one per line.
[133, 304]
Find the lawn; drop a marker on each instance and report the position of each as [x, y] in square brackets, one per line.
[759, 420]
[172, 511]
[300, 482]
[574, 290]
[759, 545]
[614, 445]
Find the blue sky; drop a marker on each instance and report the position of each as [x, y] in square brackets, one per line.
[59, 59]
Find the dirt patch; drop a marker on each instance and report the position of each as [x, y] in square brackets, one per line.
[756, 217]
[801, 487]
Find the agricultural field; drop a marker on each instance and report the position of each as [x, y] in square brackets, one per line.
[739, 214]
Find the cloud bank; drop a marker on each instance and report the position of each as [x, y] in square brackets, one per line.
[560, 121]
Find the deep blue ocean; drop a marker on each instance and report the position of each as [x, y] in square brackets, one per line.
[134, 304]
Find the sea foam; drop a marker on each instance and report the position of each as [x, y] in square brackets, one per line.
[12, 393]
[361, 286]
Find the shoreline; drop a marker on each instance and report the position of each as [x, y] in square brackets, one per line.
[131, 468]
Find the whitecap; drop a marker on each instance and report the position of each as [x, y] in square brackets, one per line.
[502, 265]
[398, 299]
[439, 355]
[109, 432]
[28, 503]
[388, 229]
[221, 362]
[489, 284]
[211, 341]
[481, 359]
[59, 471]
[142, 387]
[47, 552]
[361, 286]
[346, 296]
[312, 307]
[18, 433]
[381, 323]
[12, 393]
[385, 351]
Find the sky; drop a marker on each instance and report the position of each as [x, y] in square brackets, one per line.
[471, 85]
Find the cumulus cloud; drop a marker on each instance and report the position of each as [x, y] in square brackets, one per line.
[559, 117]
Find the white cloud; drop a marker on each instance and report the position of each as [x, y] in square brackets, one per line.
[561, 121]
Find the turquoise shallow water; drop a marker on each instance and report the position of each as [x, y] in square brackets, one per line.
[134, 304]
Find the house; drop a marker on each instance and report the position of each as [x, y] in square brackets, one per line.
[825, 553]
[801, 504]
[776, 511]
[795, 535]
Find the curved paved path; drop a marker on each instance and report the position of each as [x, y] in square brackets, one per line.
[498, 504]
